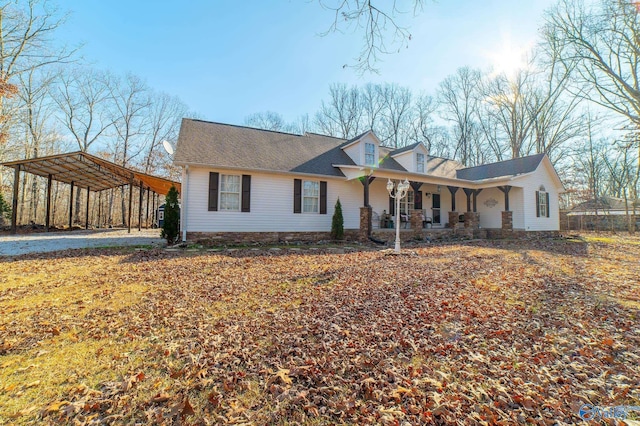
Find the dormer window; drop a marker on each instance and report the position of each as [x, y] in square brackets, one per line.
[420, 163]
[369, 154]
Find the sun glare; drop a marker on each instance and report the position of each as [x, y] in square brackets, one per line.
[508, 58]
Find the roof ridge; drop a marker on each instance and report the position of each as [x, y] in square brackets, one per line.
[504, 161]
[244, 127]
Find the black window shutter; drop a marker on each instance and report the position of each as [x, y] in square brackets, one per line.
[323, 197]
[547, 195]
[297, 196]
[246, 193]
[537, 203]
[417, 200]
[213, 191]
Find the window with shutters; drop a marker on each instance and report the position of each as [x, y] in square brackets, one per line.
[543, 206]
[310, 196]
[230, 192]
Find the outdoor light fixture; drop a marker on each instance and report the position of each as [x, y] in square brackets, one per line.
[400, 192]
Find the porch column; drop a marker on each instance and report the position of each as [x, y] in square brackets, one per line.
[71, 206]
[14, 202]
[468, 192]
[47, 219]
[453, 214]
[507, 216]
[453, 190]
[505, 189]
[507, 221]
[475, 199]
[366, 180]
[365, 223]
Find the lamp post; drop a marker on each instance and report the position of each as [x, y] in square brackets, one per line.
[400, 191]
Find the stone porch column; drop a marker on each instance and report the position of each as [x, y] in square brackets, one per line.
[365, 223]
[453, 220]
[507, 220]
[416, 220]
[472, 220]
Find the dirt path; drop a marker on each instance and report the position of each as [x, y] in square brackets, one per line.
[13, 245]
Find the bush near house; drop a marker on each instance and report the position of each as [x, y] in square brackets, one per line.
[337, 222]
[171, 224]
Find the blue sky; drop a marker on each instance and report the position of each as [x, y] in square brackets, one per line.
[227, 59]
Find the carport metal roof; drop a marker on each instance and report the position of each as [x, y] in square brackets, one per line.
[88, 171]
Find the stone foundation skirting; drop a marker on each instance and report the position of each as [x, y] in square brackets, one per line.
[519, 234]
[221, 238]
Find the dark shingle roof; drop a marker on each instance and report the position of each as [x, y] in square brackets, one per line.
[404, 149]
[512, 167]
[226, 145]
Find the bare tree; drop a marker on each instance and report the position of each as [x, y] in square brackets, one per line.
[165, 115]
[130, 111]
[458, 96]
[26, 31]
[267, 120]
[396, 115]
[382, 32]
[342, 115]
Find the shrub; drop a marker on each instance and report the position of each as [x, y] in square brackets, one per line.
[337, 223]
[5, 210]
[171, 224]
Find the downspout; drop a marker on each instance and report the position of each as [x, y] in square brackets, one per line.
[183, 209]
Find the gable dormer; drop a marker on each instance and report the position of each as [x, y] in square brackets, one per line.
[412, 157]
[364, 149]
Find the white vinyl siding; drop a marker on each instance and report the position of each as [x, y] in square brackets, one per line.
[310, 196]
[230, 193]
[271, 202]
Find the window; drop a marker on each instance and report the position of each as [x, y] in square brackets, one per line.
[310, 196]
[542, 202]
[407, 203]
[230, 192]
[420, 160]
[369, 154]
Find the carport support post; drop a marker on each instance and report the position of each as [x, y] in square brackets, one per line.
[14, 203]
[146, 222]
[86, 222]
[47, 219]
[153, 213]
[130, 205]
[140, 199]
[71, 206]
[99, 209]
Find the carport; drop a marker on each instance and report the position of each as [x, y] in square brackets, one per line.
[86, 171]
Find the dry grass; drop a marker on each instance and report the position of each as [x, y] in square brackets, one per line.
[123, 336]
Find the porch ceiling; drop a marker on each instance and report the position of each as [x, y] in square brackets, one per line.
[355, 172]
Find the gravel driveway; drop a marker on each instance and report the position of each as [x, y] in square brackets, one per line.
[12, 245]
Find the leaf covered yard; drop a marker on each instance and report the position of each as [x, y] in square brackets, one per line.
[476, 333]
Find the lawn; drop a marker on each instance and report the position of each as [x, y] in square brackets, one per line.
[500, 332]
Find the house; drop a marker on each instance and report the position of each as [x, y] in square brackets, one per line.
[246, 184]
[604, 214]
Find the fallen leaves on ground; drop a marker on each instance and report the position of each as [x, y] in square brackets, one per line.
[479, 333]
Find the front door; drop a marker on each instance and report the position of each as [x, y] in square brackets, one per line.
[435, 208]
